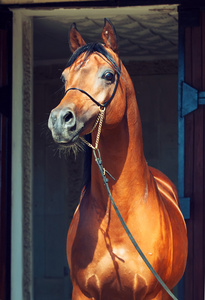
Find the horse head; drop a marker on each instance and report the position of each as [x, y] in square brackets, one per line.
[92, 82]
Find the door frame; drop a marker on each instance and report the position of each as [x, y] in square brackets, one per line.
[191, 141]
[21, 217]
[5, 149]
[22, 156]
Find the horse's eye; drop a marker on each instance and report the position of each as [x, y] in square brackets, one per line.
[109, 76]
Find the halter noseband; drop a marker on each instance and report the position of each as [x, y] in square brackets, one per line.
[96, 102]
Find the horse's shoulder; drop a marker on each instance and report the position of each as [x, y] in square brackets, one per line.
[165, 185]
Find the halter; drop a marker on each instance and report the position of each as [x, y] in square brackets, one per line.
[103, 105]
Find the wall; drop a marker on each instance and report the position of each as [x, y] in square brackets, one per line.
[156, 90]
[57, 187]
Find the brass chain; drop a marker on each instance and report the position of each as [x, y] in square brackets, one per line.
[100, 121]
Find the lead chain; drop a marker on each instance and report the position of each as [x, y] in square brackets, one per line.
[100, 121]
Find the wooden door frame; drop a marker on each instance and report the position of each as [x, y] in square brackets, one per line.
[5, 149]
[21, 225]
[191, 155]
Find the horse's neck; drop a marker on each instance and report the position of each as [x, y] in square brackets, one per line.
[122, 155]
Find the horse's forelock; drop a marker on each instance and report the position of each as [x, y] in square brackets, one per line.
[89, 49]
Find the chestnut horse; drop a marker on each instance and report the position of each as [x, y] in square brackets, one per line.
[104, 264]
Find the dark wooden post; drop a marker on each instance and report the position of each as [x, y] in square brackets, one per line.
[192, 116]
[5, 151]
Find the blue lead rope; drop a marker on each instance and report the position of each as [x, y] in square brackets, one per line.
[105, 180]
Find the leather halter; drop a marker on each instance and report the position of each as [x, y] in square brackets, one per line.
[95, 101]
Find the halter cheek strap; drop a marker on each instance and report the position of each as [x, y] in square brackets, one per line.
[102, 105]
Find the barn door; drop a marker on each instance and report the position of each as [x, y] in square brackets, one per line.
[5, 152]
[192, 143]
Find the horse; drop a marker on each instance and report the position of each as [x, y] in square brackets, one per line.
[104, 265]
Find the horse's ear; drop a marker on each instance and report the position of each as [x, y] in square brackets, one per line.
[109, 36]
[76, 40]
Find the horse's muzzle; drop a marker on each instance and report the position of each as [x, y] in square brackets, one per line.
[62, 123]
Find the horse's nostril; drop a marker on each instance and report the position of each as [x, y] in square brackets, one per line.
[69, 120]
[68, 117]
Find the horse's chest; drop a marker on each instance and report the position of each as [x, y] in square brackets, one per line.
[108, 269]
[104, 262]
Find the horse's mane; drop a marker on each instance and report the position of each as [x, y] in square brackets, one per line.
[88, 49]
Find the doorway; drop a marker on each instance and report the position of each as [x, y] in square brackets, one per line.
[148, 41]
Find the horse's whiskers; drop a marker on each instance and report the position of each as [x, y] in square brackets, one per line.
[74, 148]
